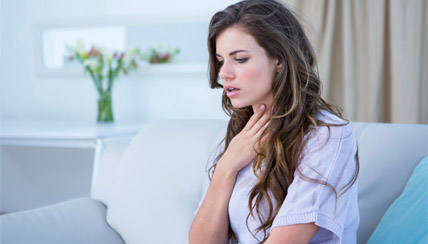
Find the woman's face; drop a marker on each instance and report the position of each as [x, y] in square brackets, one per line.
[245, 66]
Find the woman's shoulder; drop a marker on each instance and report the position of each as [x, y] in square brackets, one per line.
[331, 132]
[329, 145]
[335, 128]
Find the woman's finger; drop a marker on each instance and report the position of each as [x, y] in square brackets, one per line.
[260, 123]
[255, 117]
[263, 137]
[261, 141]
[259, 133]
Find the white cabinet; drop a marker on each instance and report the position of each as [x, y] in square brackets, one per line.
[43, 162]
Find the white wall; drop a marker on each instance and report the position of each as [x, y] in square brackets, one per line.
[26, 95]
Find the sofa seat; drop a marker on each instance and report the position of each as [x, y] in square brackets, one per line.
[80, 220]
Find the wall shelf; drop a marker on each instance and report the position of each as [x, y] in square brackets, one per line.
[172, 69]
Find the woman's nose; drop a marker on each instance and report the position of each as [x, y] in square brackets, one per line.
[226, 72]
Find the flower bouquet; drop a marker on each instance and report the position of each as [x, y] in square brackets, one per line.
[104, 66]
[161, 55]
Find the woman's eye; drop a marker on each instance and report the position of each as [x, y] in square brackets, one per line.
[219, 63]
[241, 60]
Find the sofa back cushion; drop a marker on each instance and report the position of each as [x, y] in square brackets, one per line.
[106, 176]
[388, 155]
[406, 220]
[159, 180]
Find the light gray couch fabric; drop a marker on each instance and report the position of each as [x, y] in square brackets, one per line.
[111, 161]
[77, 221]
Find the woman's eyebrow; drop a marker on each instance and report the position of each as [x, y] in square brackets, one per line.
[232, 53]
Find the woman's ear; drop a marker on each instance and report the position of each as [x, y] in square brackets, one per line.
[278, 64]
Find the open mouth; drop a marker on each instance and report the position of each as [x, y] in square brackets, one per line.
[232, 91]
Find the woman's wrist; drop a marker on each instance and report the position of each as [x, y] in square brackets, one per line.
[226, 169]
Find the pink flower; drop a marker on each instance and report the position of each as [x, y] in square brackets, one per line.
[94, 52]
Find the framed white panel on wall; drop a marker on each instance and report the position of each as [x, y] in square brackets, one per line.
[187, 34]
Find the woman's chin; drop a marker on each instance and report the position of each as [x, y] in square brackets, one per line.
[239, 105]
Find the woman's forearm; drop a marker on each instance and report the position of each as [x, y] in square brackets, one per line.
[211, 223]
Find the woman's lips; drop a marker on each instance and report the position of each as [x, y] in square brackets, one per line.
[232, 93]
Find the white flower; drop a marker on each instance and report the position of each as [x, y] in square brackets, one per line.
[109, 55]
[129, 55]
[80, 48]
[92, 63]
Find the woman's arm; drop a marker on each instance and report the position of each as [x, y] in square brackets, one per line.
[211, 222]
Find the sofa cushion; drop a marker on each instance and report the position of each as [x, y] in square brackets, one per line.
[106, 176]
[81, 220]
[388, 154]
[160, 180]
[406, 220]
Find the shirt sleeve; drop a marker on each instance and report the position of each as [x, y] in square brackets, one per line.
[328, 156]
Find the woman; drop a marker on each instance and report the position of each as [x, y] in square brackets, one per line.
[287, 169]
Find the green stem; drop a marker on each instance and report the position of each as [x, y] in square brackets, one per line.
[97, 83]
[110, 78]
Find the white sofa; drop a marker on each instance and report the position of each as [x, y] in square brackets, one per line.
[147, 190]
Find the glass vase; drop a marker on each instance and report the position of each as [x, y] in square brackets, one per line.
[105, 111]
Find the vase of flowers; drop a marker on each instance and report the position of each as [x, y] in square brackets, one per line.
[104, 67]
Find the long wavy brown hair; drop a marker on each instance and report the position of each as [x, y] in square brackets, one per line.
[297, 100]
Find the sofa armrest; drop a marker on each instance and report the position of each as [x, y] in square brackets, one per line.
[81, 220]
[107, 171]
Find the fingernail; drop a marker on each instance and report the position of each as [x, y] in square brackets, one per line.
[262, 106]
